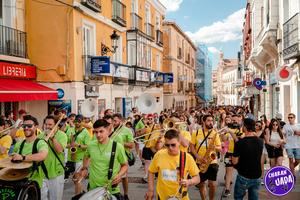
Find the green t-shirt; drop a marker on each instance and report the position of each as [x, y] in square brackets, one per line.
[37, 175]
[69, 131]
[139, 125]
[53, 166]
[100, 155]
[123, 136]
[82, 138]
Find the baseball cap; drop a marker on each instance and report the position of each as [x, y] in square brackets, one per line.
[150, 116]
[79, 118]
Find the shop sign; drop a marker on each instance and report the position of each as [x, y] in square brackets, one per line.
[100, 65]
[168, 78]
[91, 91]
[157, 77]
[11, 70]
[60, 93]
[121, 71]
[59, 105]
[142, 75]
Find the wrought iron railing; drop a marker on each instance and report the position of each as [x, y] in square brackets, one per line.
[12, 42]
[136, 22]
[291, 37]
[119, 12]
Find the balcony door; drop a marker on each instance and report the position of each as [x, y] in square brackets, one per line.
[134, 6]
[1, 12]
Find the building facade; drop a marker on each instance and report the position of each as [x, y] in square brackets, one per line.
[214, 85]
[271, 40]
[82, 33]
[179, 59]
[204, 73]
[18, 86]
[227, 81]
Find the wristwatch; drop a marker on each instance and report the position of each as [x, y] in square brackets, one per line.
[23, 157]
[79, 146]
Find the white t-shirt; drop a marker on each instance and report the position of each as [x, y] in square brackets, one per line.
[292, 140]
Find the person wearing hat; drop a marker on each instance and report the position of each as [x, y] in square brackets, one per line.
[32, 149]
[279, 118]
[79, 141]
[5, 141]
[53, 184]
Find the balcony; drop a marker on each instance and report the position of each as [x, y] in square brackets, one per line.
[12, 42]
[159, 38]
[291, 38]
[180, 86]
[94, 5]
[119, 13]
[149, 30]
[136, 22]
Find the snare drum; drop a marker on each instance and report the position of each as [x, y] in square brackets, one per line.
[99, 193]
[19, 190]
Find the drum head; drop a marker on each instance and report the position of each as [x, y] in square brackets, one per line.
[97, 194]
[8, 174]
[6, 162]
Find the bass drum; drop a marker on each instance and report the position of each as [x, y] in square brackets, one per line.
[19, 190]
[98, 194]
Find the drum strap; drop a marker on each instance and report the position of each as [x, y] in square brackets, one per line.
[35, 164]
[112, 160]
[205, 138]
[182, 159]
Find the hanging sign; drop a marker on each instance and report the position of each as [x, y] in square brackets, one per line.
[283, 73]
[100, 65]
[258, 83]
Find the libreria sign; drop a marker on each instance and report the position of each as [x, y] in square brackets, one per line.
[279, 181]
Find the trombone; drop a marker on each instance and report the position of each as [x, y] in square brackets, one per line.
[5, 131]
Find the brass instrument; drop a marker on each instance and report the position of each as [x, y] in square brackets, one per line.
[5, 131]
[54, 129]
[73, 148]
[209, 156]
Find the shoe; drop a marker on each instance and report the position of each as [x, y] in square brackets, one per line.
[226, 193]
[125, 197]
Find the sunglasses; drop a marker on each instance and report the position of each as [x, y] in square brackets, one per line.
[77, 121]
[150, 118]
[170, 145]
[27, 126]
[290, 117]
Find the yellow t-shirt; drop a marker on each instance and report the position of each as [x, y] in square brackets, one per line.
[188, 137]
[90, 130]
[151, 137]
[198, 138]
[6, 142]
[21, 135]
[239, 134]
[168, 173]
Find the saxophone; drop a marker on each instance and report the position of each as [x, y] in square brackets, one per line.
[209, 156]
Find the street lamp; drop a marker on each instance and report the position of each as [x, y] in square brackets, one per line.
[114, 41]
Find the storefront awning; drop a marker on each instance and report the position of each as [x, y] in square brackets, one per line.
[23, 90]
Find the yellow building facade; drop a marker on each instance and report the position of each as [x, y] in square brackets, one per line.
[64, 38]
[179, 58]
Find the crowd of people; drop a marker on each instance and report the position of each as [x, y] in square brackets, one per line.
[178, 148]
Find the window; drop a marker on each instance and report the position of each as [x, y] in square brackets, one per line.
[134, 6]
[89, 39]
[147, 14]
[157, 22]
[132, 55]
[1, 11]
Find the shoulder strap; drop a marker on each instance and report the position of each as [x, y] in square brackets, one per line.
[22, 146]
[54, 152]
[77, 134]
[203, 140]
[112, 160]
[36, 164]
[182, 159]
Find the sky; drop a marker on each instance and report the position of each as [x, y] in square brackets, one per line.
[216, 23]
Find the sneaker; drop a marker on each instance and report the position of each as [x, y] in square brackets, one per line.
[226, 193]
[125, 197]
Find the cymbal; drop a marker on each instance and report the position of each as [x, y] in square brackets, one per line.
[9, 174]
[6, 163]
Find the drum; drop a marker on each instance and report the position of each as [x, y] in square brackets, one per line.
[99, 193]
[19, 190]
[15, 186]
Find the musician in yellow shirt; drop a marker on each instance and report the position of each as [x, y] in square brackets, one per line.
[199, 145]
[173, 168]
[5, 141]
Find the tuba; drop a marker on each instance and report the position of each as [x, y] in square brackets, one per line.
[209, 156]
[89, 108]
[146, 103]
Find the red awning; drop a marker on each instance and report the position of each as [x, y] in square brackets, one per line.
[23, 90]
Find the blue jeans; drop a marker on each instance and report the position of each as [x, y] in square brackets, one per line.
[242, 184]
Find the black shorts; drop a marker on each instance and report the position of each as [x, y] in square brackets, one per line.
[274, 152]
[147, 154]
[210, 174]
[228, 159]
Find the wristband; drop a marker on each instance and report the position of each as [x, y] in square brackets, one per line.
[79, 146]
[23, 157]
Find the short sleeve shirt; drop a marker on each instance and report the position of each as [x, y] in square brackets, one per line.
[168, 172]
[37, 175]
[123, 136]
[83, 138]
[5, 142]
[100, 155]
[188, 137]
